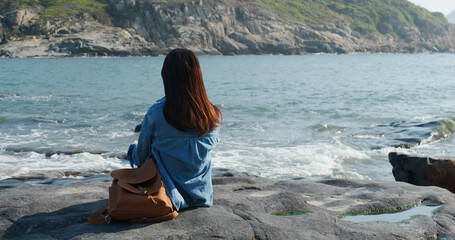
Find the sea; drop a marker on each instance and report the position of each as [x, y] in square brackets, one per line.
[323, 116]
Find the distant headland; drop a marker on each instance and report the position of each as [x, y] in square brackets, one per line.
[53, 28]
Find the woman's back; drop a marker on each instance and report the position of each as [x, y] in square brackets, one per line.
[181, 139]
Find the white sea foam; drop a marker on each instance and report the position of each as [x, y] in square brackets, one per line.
[387, 150]
[42, 98]
[34, 164]
[422, 118]
[369, 136]
[308, 160]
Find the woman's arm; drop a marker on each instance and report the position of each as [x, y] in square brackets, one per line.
[140, 150]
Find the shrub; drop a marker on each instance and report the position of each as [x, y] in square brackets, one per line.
[363, 15]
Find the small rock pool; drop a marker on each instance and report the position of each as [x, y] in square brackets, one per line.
[402, 217]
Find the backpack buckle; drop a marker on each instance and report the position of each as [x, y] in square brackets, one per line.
[107, 219]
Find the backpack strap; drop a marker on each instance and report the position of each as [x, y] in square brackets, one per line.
[100, 216]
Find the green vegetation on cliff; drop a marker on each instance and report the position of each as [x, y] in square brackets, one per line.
[62, 8]
[364, 16]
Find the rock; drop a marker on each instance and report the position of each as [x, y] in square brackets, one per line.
[121, 5]
[244, 208]
[423, 171]
[130, 3]
[229, 47]
[407, 32]
[442, 174]
[5, 53]
[71, 37]
[138, 128]
[24, 17]
[344, 27]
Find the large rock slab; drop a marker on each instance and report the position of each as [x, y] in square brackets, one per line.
[243, 209]
[423, 171]
[24, 17]
[76, 37]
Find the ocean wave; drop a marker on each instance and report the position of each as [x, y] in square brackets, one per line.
[8, 95]
[369, 136]
[29, 99]
[304, 161]
[33, 165]
[442, 132]
[409, 134]
[136, 116]
[49, 152]
[328, 128]
[30, 119]
[53, 179]
[46, 120]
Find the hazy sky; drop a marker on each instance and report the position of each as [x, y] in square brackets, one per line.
[444, 6]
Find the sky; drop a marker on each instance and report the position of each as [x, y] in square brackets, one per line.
[444, 6]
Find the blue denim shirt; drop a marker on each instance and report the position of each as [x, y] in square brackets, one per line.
[183, 158]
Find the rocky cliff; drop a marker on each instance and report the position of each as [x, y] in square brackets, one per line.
[151, 27]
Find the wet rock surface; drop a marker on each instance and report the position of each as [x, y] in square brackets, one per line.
[423, 171]
[244, 208]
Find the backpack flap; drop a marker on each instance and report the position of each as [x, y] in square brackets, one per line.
[143, 180]
[148, 187]
[147, 171]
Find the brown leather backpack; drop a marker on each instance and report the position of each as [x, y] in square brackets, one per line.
[136, 195]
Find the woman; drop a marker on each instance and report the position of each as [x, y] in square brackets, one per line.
[179, 131]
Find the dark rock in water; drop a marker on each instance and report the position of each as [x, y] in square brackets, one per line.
[408, 169]
[138, 128]
[442, 174]
[52, 151]
[423, 171]
[245, 207]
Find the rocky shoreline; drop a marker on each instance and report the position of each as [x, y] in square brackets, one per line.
[245, 207]
[224, 28]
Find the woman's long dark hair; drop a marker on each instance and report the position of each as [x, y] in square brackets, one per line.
[187, 106]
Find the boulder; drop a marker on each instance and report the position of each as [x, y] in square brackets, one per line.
[121, 5]
[423, 171]
[407, 32]
[442, 174]
[245, 207]
[229, 47]
[24, 17]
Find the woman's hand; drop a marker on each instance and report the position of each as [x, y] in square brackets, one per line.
[136, 140]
